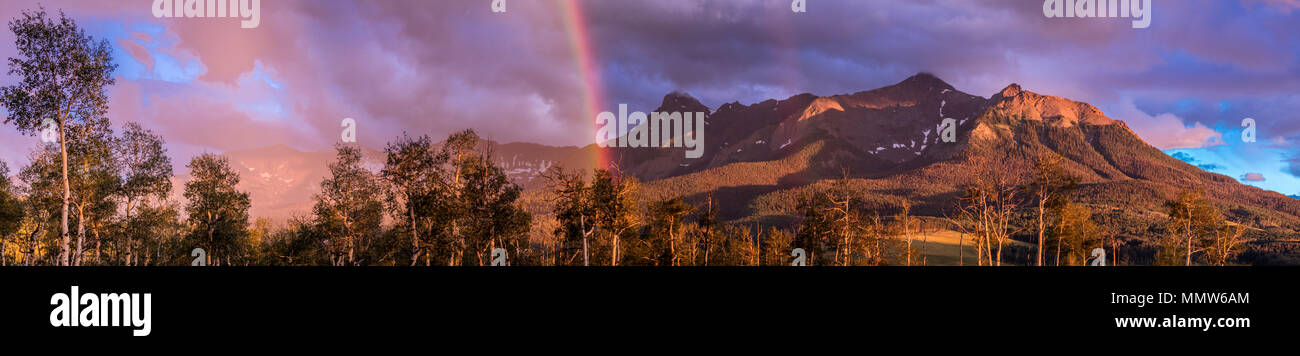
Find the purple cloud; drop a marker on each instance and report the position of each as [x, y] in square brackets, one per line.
[1252, 177]
[437, 67]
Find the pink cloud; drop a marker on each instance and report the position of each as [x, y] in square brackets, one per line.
[137, 52]
[1167, 131]
[192, 121]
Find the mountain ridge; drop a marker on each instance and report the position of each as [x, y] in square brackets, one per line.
[762, 156]
[886, 141]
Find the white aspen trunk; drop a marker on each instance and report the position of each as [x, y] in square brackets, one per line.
[1042, 202]
[130, 250]
[582, 227]
[415, 235]
[81, 235]
[65, 241]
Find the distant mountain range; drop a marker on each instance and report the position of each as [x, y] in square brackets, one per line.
[281, 180]
[760, 158]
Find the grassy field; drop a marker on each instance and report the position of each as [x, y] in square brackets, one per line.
[946, 248]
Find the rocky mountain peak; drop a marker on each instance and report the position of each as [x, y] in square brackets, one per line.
[925, 80]
[682, 102]
[1011, 91]
[1025, 104]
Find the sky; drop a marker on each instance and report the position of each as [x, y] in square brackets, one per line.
[541, 70]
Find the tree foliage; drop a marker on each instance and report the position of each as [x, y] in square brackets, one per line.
[348, 209]
[65, 75]
[218, 211]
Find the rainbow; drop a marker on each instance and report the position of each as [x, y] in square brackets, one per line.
[587, 66]
[575, 25]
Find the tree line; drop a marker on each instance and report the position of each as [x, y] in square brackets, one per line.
[91, 196]
[994, 207]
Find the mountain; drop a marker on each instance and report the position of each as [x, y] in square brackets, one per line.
[282, 181]
[761, 158]
[524, 163]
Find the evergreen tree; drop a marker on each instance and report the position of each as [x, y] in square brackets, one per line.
[816, 227]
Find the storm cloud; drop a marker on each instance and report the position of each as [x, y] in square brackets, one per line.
[439, 66]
